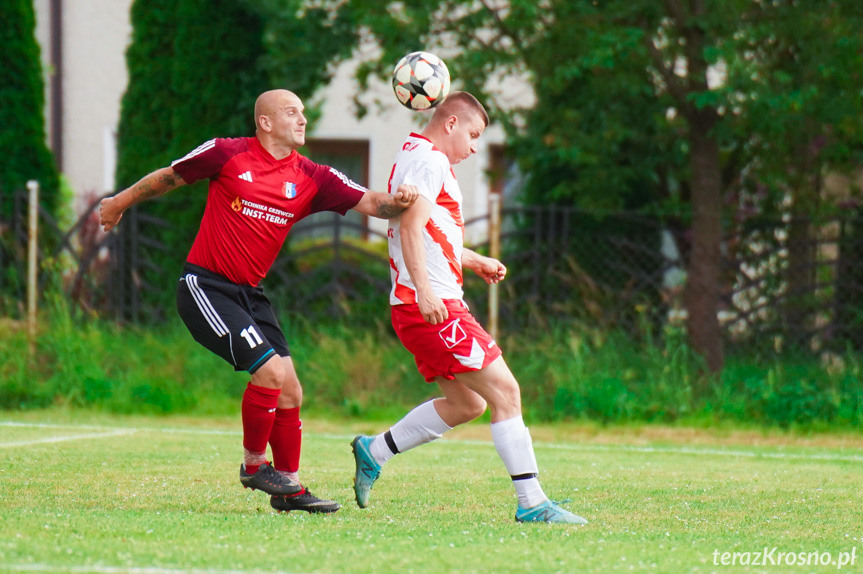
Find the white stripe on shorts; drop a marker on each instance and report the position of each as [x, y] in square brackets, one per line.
[205, 306]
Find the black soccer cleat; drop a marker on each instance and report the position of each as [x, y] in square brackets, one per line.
[304, 500]
[269, 480]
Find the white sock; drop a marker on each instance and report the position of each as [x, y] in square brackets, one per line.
[421, 425]
[253, 458]
[515, 448]
[295, 476]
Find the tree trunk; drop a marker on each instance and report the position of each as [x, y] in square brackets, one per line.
[702, 286]
[847, 326]
[800, 273]
[800, 279]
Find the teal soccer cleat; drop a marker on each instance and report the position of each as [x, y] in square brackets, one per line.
[368, 470]
[548, 511]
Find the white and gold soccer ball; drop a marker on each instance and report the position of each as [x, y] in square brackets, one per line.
[421, 81]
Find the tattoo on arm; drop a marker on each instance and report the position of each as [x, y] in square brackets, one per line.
[169, 180]
[385, 208]
[155, 185]
[143, 191]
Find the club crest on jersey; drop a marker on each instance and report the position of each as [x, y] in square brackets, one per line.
[290, 190]
[452, 334]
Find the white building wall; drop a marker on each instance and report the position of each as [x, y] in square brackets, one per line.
[43, 37]
[95, 36]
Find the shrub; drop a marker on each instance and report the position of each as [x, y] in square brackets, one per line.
[23, 153]
[565, 373]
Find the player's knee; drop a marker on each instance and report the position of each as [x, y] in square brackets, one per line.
[272, 374]
[507, 396]
[509, 388]
[292, 394]
[474, 409]
[268, 380]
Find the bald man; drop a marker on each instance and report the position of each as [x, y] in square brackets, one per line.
[432, 321]
[258, 188]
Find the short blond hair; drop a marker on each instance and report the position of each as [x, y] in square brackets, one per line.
[456, 104]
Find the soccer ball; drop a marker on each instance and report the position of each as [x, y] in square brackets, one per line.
[420, 81]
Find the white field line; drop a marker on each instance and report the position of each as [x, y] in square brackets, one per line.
[828, 457]
[54, 439]
[125, 570]
[130, 429]
[581, 447]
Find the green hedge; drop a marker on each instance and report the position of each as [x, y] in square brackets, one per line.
[23, 152]
[565, 374]
[144, 131]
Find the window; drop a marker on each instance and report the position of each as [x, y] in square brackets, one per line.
[497, 167]
[503, 174]
[351, 157]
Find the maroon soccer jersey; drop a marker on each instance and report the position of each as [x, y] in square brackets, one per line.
[253, 201]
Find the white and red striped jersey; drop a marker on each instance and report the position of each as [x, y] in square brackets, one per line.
[419, 163]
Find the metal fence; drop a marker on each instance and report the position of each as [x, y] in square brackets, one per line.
[785, 282]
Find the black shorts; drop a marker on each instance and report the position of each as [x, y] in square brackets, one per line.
[233, 321]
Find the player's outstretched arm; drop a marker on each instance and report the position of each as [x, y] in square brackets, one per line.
[489, 268]
[386, 206]
[160, 181]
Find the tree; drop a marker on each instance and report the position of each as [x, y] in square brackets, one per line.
[24, 154]
[808, 60]
[543, 41]
[145, 130]
[635, 99]
[303, 43]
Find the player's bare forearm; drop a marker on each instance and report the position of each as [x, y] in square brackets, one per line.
[155, 184]
[152, 185]
[386, 206]
[413, 251]
[490, 269]
[430, 305]
[470, 258]
[413, 222]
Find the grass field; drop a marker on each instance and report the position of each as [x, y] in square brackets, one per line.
[91, 493]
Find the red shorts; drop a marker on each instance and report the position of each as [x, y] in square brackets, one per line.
[458, 345]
